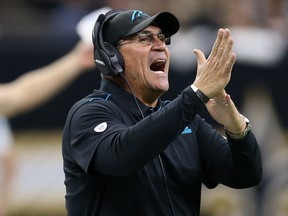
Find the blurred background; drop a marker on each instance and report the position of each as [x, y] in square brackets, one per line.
[34, 33]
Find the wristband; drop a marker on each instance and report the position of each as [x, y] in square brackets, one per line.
[200, 94]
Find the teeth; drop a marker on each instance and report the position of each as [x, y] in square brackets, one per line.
[160, 62]
[158, 65]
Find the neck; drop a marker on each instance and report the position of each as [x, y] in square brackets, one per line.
[147, 98]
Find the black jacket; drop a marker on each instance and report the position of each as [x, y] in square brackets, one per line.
[118, 164]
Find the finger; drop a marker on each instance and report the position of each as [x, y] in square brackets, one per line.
[224, 43]
[200, 56]
[229, 65]
[229, 100]
[217, 43]
[227, 52]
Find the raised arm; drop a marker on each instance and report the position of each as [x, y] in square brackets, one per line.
[36, 87]
[213, 75]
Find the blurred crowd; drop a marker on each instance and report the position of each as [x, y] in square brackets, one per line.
[35, 32]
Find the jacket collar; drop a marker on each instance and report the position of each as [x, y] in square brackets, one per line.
[126, 100]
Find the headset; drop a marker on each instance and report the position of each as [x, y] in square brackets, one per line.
[107, 57]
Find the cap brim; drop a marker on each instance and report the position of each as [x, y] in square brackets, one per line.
[166, 21]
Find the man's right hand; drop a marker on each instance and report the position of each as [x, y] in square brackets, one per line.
[214, 73]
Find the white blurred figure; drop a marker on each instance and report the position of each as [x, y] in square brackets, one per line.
[85, 25]
[6, 164]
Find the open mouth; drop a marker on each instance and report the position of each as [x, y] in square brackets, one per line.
[158, 65]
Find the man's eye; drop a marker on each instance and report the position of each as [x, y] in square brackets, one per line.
[144, 38]
[161, 36]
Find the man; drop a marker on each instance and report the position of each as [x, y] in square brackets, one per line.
[126, 152]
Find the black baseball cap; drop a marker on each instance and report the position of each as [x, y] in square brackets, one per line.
[130, 22]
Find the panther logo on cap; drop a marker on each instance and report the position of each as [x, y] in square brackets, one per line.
[137, 14]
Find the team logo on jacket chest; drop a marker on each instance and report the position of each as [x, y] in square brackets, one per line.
[186, 130]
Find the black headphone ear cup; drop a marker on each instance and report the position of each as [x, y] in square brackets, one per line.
[109, 60]
[107, 57]
[102, 60]
[117, 61]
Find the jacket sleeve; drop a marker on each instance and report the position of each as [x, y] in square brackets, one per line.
[234, 163]
[103, 140]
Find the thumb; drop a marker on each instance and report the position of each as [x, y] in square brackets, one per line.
[200, 56]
